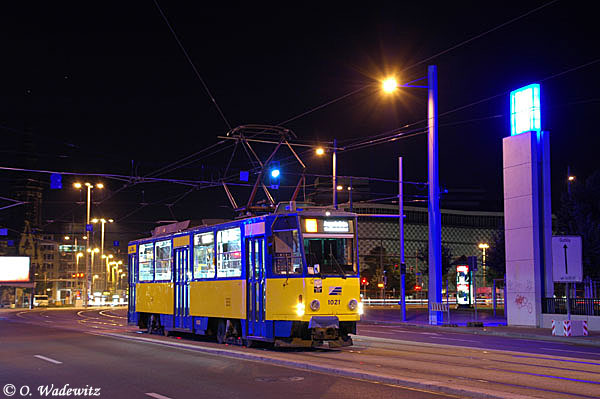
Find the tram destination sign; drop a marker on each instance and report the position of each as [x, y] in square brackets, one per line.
[330, 226]
[336, 226]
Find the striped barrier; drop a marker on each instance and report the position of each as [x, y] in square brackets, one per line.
[567, 328]
[570, 328]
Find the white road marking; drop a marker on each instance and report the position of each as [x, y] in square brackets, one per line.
[47, 359]
[455, 339]
[157, 395]
[570, 351]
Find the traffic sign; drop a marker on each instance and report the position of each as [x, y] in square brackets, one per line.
[566, 259]
[89, 227]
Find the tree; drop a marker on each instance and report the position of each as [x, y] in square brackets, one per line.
[495, 259]
[379, 264]
[579, 214]
[423, 256]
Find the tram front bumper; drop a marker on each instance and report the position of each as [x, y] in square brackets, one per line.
[324, 327]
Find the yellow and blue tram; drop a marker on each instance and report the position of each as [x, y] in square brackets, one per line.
[290, 278]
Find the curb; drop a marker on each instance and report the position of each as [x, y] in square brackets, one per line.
[469, 330]
[434, 386]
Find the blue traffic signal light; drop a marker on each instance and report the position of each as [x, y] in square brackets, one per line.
[274, 175]
[56, 181]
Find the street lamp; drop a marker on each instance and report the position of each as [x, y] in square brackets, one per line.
[320, 151]
[103, 221]
[390, 85]
[88, 273]
[483, 246]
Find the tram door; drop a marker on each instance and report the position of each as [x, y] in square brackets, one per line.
[131, 295]
[255, 297]
[182, 289]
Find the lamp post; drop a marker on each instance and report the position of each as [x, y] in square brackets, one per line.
[570, 179]
[103, 221]
[435, 219]
[88, 271]
[334, 185]
[483, 246]
[92, 252]
[77, 256]
[107, 271]
[94, 280]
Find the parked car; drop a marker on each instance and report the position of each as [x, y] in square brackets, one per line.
[40, 300]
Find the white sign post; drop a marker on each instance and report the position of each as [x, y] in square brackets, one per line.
[567, 265]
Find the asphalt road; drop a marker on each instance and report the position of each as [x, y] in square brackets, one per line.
[443, 336]
[139, 364]
[42, 350]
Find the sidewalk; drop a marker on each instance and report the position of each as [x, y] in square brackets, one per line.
[418, 317]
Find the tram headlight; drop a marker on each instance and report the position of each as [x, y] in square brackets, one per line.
[300, 309]
[315, 305]
[353, 304]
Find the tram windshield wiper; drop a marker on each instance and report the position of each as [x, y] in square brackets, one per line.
[340, 268]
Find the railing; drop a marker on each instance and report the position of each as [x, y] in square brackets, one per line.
[424, 301]
[579, 306]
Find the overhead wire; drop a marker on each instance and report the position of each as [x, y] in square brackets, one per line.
[187, 56]
[454, 47]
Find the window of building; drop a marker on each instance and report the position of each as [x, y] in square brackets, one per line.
[162, 260]
[204, 250]
[229, 253]
[287, 256]
[146, 266]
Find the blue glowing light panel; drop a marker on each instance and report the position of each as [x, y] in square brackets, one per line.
[525, 110]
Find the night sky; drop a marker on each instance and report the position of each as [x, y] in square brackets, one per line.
[103, 87]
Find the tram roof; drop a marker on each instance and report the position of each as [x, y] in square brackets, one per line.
[289, 208]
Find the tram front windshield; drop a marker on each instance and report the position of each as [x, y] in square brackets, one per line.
[330, 256]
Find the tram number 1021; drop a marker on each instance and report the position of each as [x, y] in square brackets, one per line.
[333, 301]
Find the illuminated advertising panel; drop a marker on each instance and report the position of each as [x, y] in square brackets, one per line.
[463, 285]
[525, 110]
[14, 269]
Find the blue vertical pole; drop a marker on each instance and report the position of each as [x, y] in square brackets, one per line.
[401, 226]
[435, 222]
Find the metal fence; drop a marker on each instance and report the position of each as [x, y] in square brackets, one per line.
[579, 306]
[424, 301]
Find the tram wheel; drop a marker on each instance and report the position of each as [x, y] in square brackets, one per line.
[221, 331]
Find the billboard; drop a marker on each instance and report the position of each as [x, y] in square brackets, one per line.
[464, 290]
[14, 269]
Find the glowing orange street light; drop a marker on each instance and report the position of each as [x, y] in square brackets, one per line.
[389, 85]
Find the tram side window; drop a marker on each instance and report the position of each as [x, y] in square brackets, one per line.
[229, 253]
[204, 255]
[162, 257]
[287, 257]
[145, 265]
